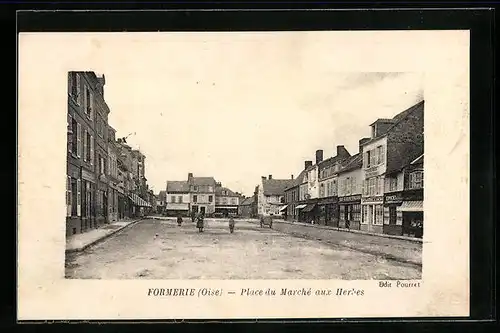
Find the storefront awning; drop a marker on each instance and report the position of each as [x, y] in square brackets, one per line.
[309, 207]
[300, 206]
[412, 206]
[226, 207]
[283, 208]
[138, 201]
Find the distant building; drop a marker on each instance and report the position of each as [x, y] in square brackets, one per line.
[161, 202]
[202, 192]
[271, 196]
[178, 198]
[245, 209]
[350, 182]
[226, 201]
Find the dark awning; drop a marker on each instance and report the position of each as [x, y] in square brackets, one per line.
[309, 208]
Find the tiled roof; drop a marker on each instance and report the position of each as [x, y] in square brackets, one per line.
[275, 186]
[352, 163]
[297, 181]
[247, 201]
[220, 189]
[202, 181]
[177, 186]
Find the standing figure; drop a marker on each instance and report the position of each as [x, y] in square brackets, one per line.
[199, 222]
[262, 221]
[193, 216]
[179, 220]
[231, 224]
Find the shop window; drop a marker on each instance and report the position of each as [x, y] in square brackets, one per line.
[379, 215]
[416, 180]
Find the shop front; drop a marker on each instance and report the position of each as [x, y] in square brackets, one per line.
[226, 211]
[372, 214]
[412, 211]
[350, 212]
[393, 217]
[328, 211]
[88, 207]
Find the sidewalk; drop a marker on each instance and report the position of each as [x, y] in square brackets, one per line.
[84, 240]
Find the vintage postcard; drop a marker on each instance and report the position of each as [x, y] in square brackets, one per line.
[243, 175]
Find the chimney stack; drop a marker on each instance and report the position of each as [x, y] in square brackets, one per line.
[270, 177]
[292, 177]
[361, 142]
[190, 175]
[263, 177]
[307, 164]
[319, 156]
[342, 152]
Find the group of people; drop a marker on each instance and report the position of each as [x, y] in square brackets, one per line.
[200, 224]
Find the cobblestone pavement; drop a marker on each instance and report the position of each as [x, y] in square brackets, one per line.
[159, 249]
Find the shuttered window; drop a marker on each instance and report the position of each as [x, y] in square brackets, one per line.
[68, 196]
[78, 197]
[79, 140]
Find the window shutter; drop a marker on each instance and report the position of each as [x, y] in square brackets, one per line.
[78, 92]
[68, 196]
[91, 96]
[91, 150]
[85, 143]
[79, 140]
[78, 197]
[382, 154]
[70, 127]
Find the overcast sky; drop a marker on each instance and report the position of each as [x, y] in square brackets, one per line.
[246, 107]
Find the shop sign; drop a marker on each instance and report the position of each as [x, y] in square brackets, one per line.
[325, 201]
[372, 200]
[350, 198]
[394, 198]
[372, 171]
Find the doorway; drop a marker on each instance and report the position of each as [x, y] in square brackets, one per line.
[202, 210]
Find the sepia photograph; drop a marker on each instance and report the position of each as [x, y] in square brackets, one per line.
[353, 209]
[243, 174]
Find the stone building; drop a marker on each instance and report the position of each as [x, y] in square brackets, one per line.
[394, 143]
[178, 198]
[87, 144]
[226, 201]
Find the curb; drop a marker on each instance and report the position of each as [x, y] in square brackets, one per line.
[375, 253]
[83, 248]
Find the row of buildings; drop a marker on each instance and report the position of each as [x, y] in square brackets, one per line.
[199, 194]
[378, 189]
[105, 178]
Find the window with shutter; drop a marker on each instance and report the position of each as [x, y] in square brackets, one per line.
[78, 197]
[91, 150]
[70, 132]
[79, 138]
[85, 143]
[68, 196]
[91, 105]
[78, 92]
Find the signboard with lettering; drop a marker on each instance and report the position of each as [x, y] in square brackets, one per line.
[393, 198]
[350, 198]
[375, 200]
[373, 171]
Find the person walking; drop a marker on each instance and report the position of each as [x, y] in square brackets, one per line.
[179, 220]
[231, 224]
[199, 222]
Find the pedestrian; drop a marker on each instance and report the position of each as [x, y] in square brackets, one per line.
[271, 221]
[199, 222]
[179, 220]
[231, 224]
[262, 221]
[193, 216]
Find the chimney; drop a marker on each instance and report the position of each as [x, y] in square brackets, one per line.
[319, 156]
[307, 164]
[361, 142]
[292, 177]
[270, 177]
[263, 177]
[190, 175]
[341, 151]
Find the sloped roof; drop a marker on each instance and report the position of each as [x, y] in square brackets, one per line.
[297, 181]
[275, 186]
[220, 189]
[352, 163]
[177, 186]
[202, 181]
[247, 201]
[397, 119]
